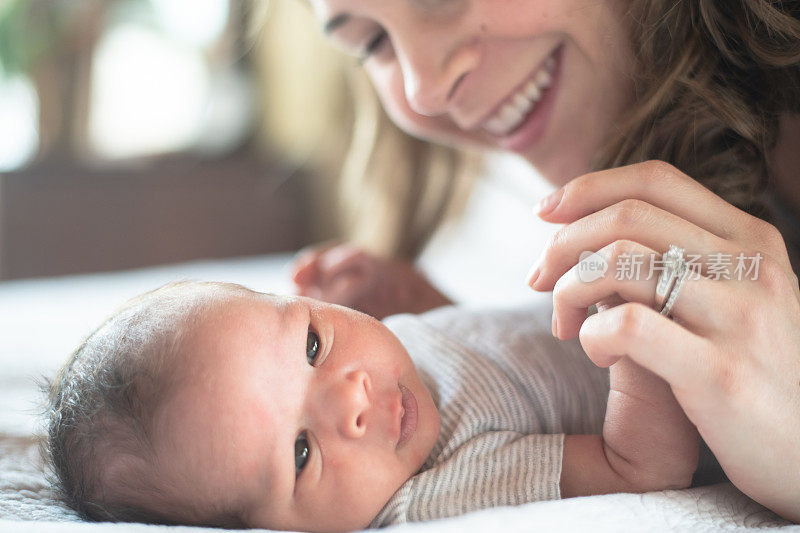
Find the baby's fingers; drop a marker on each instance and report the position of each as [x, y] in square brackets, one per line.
[343, 259]
[346, 289]
[655, 342]
[320, 265]
[305, 268]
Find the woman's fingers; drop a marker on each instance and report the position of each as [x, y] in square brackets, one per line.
[633, 220]
[661, 185]
[664, 347]
[665, 187]
[630, 270]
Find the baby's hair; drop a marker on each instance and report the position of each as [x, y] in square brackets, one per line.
[102, 405]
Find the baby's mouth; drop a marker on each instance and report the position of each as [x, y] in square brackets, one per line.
[408, 420]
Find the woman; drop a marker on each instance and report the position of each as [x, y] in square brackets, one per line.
[688, 114]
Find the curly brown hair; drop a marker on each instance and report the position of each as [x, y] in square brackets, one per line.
[712, 81]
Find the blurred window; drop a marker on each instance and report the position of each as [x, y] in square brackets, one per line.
[19, 127]
[155, 84]
[147, 94]
[137, 78]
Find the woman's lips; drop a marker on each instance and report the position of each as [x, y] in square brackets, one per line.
[534, 125]
[408, 422]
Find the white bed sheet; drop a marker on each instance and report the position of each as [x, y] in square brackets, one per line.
[42, 320]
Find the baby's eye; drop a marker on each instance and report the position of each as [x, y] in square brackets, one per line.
[301, 453]
[312, 347]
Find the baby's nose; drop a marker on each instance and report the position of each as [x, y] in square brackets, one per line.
[351, 399]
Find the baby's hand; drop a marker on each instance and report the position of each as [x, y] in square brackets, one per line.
[344, 274]
[647, 442]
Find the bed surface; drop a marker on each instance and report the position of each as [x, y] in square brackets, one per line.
[42, 320]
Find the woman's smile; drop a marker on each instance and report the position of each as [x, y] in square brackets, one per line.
[547, 83]
[531, 125]
[511, 112]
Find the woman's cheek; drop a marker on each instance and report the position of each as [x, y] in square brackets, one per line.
[388, 83]
[391, 91]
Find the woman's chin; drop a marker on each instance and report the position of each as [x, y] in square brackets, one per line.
[558, 168]
[460, 140]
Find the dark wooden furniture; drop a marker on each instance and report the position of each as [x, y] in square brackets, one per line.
[62, 219]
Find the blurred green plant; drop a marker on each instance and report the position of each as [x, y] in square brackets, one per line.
[29, 29]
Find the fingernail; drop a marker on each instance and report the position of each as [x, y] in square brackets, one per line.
[548, 204]
[555, 326]
[535, 272]
[533, 275]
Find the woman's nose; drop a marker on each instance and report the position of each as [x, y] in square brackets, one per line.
[350, 400]
[430, 79]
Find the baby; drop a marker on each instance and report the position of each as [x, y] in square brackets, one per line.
[195, 404]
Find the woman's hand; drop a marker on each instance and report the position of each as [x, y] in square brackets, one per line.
[347, 275]
[732, 353]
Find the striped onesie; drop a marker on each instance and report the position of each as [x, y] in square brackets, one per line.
[507, 393]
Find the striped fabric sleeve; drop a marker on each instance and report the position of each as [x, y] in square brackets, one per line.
[497, 468]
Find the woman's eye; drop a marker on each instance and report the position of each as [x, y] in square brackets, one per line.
[301, 453]
[312, 347]
[373, 45]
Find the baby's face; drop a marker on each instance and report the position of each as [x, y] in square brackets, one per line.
[302, 415]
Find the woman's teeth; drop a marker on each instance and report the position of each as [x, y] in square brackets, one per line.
[512, 114]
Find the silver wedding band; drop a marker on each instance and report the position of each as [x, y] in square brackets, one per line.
[673, 295]
[671, 262]
[671, 279]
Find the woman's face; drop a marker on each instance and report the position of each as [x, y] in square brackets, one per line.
[542, 78]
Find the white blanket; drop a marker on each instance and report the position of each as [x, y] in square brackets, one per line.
[42, 320]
